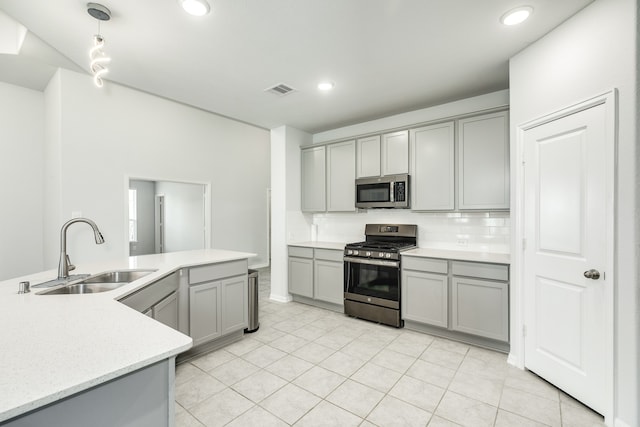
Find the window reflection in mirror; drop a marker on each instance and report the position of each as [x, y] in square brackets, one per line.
[165, 216]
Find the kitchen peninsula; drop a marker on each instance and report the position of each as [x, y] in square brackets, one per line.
[89, 359]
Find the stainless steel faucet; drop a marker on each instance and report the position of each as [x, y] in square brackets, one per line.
[65, 264]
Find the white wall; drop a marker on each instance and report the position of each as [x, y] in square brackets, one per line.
[21, 179]
[593, 52]
[184, 223]
[287, 221]
[97, 138]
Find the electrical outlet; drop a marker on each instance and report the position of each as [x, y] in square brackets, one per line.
[463, 242]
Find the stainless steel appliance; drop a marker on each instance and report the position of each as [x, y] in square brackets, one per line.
[390, 191]
[372, 272]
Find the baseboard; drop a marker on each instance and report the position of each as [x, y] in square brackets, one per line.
[280, 298]
[514, 360]
[619, 423]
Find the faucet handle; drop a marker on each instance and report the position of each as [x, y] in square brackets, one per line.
[70, 267]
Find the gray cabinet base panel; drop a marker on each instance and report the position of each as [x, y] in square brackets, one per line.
[214, 345]
[501, 346]
[318, 303]
[144, 398]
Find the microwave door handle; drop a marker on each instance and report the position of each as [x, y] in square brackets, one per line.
[392, 190]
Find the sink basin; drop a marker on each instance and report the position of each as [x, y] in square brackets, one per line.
[100, 282]
[126, 276]
[84, 288]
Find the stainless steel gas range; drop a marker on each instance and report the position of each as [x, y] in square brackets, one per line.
[372, 272]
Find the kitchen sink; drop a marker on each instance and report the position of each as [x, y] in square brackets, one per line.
[126, 276]
[100, 282]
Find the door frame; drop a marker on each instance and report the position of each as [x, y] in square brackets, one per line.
[517, 303]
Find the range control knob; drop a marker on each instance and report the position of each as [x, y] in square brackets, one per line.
[368, 253]
[381, 255]
[349, 252]
[388, 255]
[355, 252]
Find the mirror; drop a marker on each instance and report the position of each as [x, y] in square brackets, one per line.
[166, 216]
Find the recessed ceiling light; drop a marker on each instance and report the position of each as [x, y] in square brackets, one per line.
[517, 15]
[325, 86]
[195, 7]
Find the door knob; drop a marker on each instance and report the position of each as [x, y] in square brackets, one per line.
[592, 274]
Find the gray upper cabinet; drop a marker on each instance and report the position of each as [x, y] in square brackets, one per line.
[368, 156]
[313, 197]
[395, 153]
[483, 162]
[341, 171]
[433, 167]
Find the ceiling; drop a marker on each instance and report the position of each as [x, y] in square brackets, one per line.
[385, 56]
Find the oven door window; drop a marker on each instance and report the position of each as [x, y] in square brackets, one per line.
[373, 280]
[368, 193]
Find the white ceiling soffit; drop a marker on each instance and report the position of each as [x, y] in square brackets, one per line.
[385, 56]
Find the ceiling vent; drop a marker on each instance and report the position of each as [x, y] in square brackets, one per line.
[280, 89]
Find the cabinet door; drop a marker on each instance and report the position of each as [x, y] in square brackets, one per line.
[424, 297]
[313, 179]
[235, 310]
[368, 156]
[341, 175]
[166, 311]
[480, 307]
[204, 312]
[483, 162]
[395, 153]
[301, 276]
[329, 281]
[433, 167]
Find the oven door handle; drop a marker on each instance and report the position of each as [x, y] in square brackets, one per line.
[372, 261]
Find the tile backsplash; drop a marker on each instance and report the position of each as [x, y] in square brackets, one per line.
[487, 231]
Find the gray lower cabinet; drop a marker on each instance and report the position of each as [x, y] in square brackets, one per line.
[235, 310]
[459, 299]
[218, 298]
[317, 275]
[158, 299]
[424, 297]
[328, 276]
[166, 311]
[480, 307]
[204, 312]
[301, 271]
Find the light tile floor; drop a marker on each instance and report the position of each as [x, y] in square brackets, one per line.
[307, 366]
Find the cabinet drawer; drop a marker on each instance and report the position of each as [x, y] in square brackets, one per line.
[300, 252]
[481, 270]
[329, 254]
[217, 271]
[425, 264]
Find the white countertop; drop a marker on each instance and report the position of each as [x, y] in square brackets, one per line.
[455, 254]
[56, 345]
[458, 255]
[320, 245]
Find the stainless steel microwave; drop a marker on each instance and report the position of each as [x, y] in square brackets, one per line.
[391, 191]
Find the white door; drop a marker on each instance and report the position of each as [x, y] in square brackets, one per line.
[566, 239]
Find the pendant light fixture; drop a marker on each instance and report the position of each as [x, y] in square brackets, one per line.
[98, 58]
